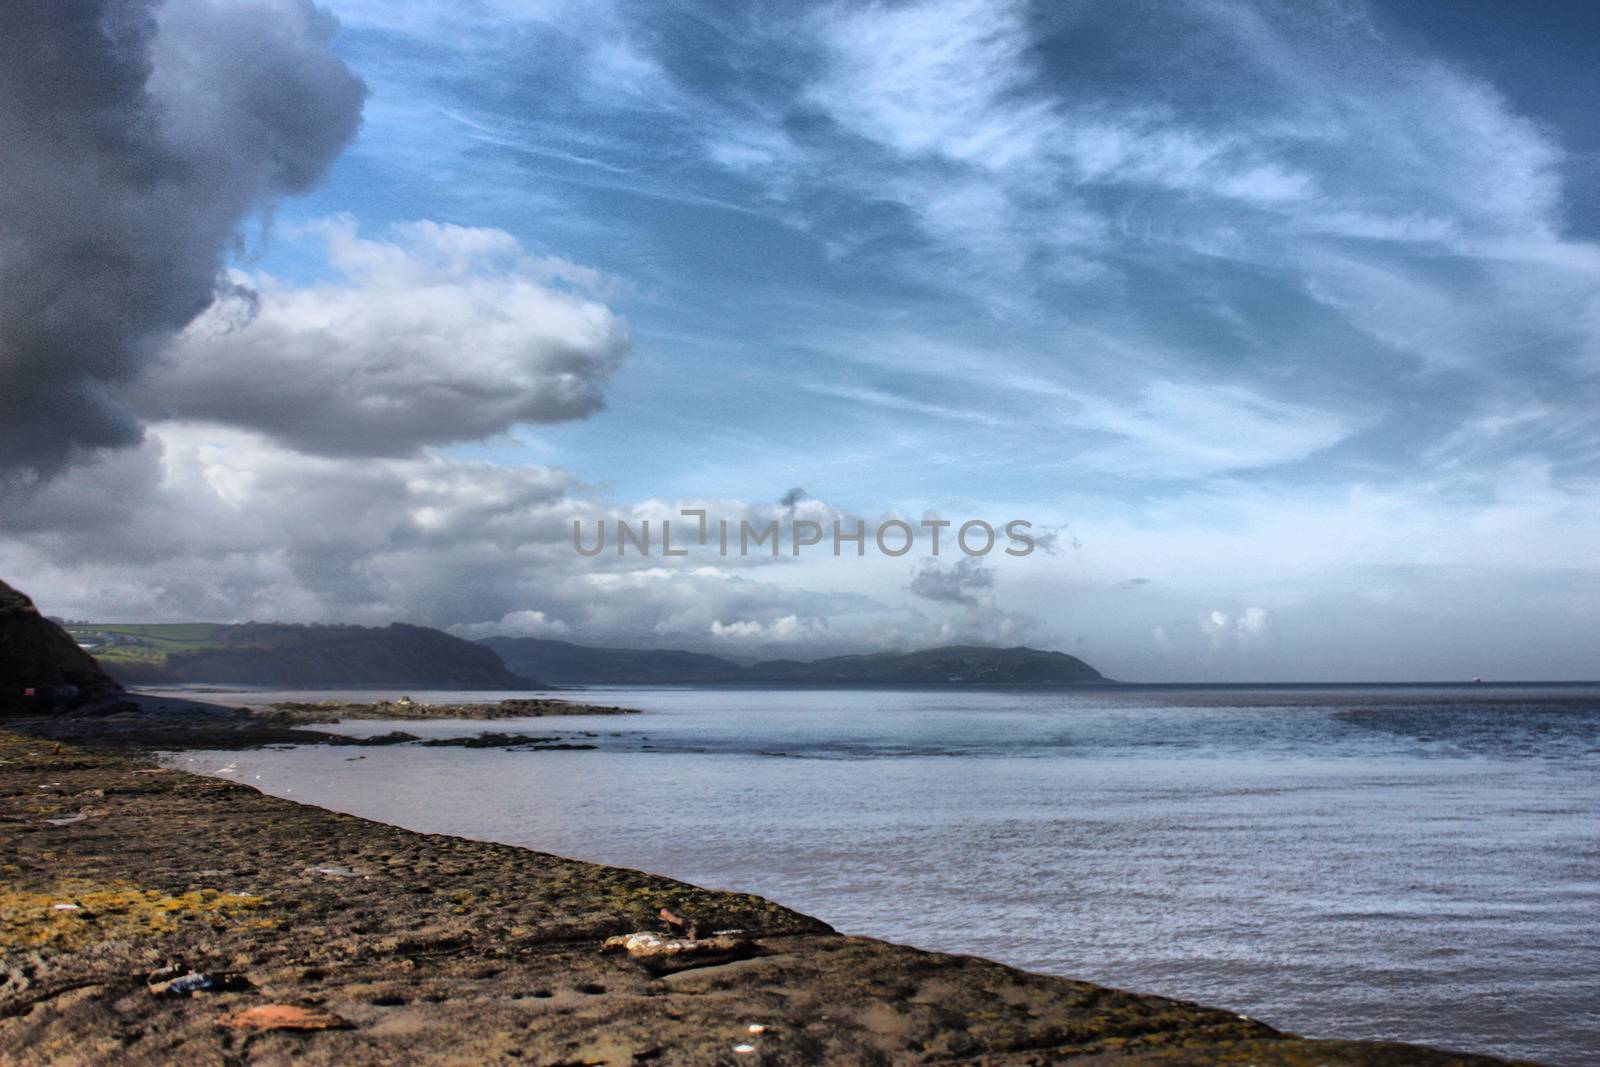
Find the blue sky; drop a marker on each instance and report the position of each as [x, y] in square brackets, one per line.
[1285, 313]
[955, 252]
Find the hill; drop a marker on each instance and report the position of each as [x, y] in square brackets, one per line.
[562, 662]
[40, 664]
[950, 665]
[285, 654]
[129, 648]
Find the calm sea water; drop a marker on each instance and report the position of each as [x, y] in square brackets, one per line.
[1416, 864]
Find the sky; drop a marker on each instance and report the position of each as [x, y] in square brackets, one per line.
[1279, 322]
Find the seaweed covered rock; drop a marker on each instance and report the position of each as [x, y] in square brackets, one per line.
[41, 667]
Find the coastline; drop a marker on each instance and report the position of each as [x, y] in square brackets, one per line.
[433, 948]
[157, 721]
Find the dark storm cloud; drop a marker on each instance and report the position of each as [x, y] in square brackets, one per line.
[138, 136]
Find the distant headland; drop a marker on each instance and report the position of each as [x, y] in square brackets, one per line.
[565, 663]
[297, 655]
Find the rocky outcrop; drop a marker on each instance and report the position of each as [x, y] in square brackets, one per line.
[41, 667]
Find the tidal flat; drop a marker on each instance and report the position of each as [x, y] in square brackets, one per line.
[152, 915]
[1401, 863]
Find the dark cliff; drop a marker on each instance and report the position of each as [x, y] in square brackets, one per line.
[40, 665]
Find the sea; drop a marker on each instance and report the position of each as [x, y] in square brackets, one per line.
[1408, 862]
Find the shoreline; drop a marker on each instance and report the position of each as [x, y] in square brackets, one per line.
[430, 948]
[141, 722]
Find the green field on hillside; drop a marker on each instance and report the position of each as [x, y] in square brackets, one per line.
[141, 642]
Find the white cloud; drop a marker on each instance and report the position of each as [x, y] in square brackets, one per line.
[523, 623]
[932, 78]
[1405, 151]
[1189, 429]
[140, 140]
[1246, 630]
[223, 524]
[751, 149]
[786, 629]
[1039, 282]
[1163, 639]
[967, 581]
[443, 333]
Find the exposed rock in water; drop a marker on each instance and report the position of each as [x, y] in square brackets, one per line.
[41, 666]
[151, 721]
[406, 708]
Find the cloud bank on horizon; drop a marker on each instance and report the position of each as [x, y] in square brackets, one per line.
[1285, 318]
